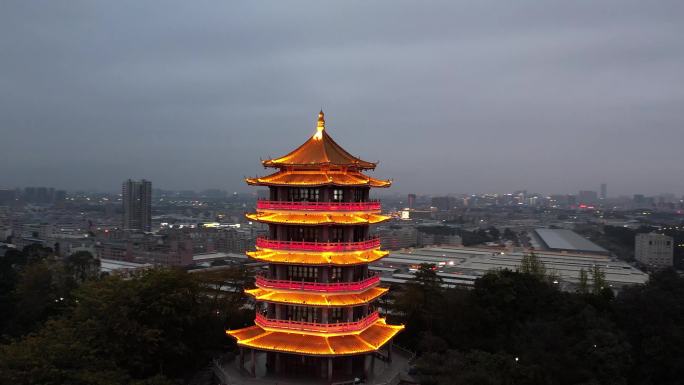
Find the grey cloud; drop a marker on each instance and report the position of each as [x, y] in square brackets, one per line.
[450, 96]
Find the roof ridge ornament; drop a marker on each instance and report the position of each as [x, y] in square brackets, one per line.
[320, 126]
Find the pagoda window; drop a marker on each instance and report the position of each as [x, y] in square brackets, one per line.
[304, 194]
[302, 273]
[359, 234]
[336, 315]
[338, 195]
[301, 313]
[336, 234]
[301, 234]
[360, 273]
[359, 312]
[335, 274]
[359, 195]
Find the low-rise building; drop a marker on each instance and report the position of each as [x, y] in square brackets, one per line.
[654, 250]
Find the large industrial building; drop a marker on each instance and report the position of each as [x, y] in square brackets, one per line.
[460, 266]
[564, 240]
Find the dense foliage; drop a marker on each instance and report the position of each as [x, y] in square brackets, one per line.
[518, 328]
[64, 324]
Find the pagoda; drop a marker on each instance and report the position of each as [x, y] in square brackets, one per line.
[315, 306]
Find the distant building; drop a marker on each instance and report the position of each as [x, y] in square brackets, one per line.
[640, 201]
[6, 196]
[40, 195]
[654, 250]
[429, 239]
[460, 266]
[587, 197]
[562, 240]
[411, 201]
[443, 203]
[604, 191]
[395, 238]
[137, 205]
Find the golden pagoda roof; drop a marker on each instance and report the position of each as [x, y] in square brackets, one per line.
[318, 178]
[319, 150]
[315, 299]
[368, 340]
[318, 258]
[317, 218]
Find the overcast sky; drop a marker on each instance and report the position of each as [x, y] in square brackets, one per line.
[449, 96]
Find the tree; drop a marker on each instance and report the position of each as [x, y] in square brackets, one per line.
[598, 278]
[82, 266]
[652, 318]
[225, 289]
[40, 293]
[118, 331]
[531, 264]
[57, 354]
[583, 285]
[509, 234]
[494, 233]
[160, 322]
[418, 301]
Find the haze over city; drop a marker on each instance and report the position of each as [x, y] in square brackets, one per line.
[341, 193]
[452, 98]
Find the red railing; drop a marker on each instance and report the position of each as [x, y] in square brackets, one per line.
[317, 246]
[339, 327]
[264, 282]
[318, 206]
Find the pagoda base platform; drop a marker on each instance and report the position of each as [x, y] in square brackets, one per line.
[382, 368]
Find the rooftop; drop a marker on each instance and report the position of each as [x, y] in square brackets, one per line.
[319, 150]
[464, 264]
[563, 239]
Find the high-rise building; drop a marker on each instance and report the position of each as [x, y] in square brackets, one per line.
[587, 197]
[654, 250]
[411, 201]
[6, 196]
[137, 205]
[604, 191]
[316, 306]
[443, 203]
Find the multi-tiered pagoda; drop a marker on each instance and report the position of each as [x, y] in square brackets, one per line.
[316, 312]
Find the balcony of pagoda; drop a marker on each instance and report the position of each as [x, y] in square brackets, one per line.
[265, 243]
[319, 287]
[370, 206]
[317, 327]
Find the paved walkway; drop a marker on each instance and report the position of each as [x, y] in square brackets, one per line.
[384, 374]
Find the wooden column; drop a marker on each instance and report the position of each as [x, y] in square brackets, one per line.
[242, 358]
[253, 363]
[330, 368]
[389, 352]
[372, 364]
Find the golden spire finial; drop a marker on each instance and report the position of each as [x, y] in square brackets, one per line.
[320, 126]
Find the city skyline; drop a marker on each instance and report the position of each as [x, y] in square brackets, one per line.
[216, 191]
[461, 98]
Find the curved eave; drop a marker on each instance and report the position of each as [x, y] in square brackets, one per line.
[318, 258]
[317, 218]
[288, 179]
[314, 299]
[319, 151]
[369, 340]
[363, 165]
